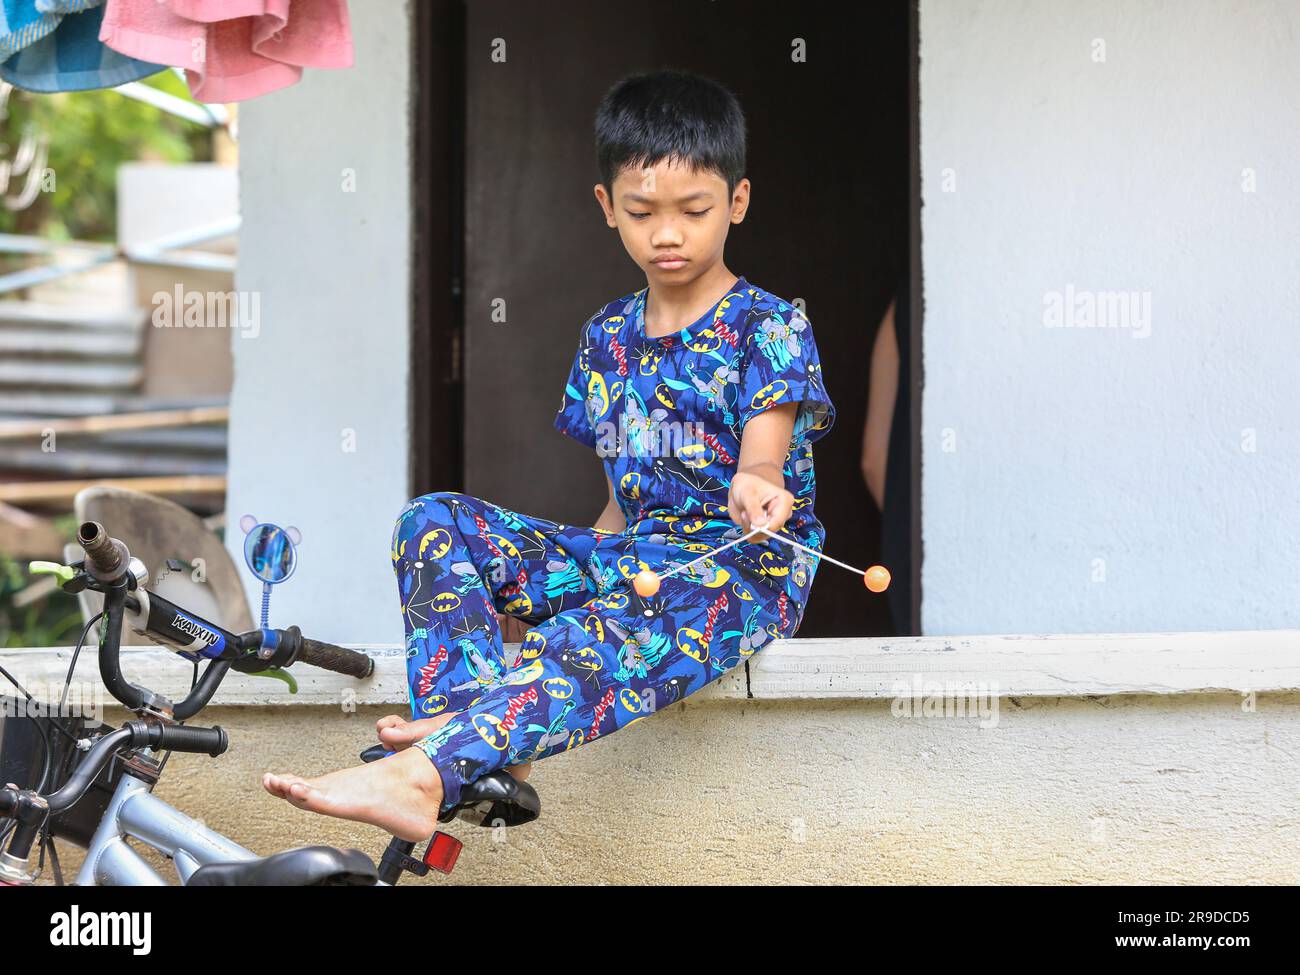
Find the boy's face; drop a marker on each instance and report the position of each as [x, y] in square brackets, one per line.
[673, 221]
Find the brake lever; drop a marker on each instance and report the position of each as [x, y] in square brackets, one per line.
[71, 578]
[278, 674]
[283, 652]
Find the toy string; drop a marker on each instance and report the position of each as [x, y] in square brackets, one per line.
[751, 534]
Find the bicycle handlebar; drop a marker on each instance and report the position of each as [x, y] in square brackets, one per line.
[338, 659]
[108, 561]
[136, 734]
[33, 809]
[106, 558]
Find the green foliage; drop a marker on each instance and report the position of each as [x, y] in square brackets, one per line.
[53, 621]
[90, 134]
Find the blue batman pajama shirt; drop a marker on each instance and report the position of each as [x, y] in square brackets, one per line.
[665, 416]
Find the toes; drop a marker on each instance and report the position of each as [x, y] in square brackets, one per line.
[279, 785]
[395, 736]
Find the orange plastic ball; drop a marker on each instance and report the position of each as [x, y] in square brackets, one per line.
[646, 583]
[876, 578]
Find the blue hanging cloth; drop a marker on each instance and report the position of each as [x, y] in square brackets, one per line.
[54, 45]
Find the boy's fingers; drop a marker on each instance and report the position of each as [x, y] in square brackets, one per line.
[758, 512]
[736, 509]
[781, 516]
[779, 508]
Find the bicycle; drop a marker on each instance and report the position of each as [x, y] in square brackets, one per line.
[125, 806]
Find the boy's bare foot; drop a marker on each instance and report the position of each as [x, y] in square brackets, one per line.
[398, 733]
[401, 794]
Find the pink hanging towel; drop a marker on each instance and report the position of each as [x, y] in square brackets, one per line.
[308, 33]
[316, 34]
[232, 50]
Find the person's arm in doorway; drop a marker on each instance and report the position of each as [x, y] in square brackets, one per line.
[881, 394]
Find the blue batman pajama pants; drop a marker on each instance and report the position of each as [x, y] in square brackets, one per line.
[598, 657]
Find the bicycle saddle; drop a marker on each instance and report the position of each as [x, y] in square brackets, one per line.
[303, 866]
[495, 799]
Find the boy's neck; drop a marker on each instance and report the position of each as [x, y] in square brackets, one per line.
[669, 308]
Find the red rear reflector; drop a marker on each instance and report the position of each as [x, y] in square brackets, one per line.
[442, 852]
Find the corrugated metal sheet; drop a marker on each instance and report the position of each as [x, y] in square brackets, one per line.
[60, 360]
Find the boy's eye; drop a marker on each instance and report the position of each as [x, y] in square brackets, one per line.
[693, 213]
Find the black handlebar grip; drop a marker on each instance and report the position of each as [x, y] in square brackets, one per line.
[179, 738]
[338, 659]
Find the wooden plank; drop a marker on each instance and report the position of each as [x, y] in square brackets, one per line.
[1032, 665]
[170, 674]
[22, 429]
[911, 668]
[50, 492]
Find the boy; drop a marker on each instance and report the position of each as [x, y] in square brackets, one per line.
[702, 395]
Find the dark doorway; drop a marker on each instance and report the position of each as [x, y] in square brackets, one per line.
[828, 158]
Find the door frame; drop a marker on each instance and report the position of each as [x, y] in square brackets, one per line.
[916, 379]
[436, 398]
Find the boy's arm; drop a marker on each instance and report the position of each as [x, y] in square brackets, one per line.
[758, 490]
[882, 389]
[612, 518]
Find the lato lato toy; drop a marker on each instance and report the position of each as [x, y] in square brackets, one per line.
[646, 582]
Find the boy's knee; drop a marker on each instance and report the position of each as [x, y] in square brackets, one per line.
[413, 518]
[416, 506]
[433, 498]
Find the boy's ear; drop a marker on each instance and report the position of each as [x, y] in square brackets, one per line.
[606, 205]
[740, 201]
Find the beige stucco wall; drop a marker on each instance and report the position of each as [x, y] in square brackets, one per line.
[1124, 789]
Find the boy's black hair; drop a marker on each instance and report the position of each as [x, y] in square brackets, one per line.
[670, 114]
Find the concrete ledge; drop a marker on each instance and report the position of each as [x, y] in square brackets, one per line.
[1065, 665]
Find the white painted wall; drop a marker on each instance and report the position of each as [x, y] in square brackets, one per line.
[1050, 454]
[333, 273]
[1047, 449]
[1126, 790]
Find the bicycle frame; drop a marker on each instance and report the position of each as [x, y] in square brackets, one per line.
[134, 811]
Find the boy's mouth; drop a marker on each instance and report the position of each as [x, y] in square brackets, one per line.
[669, 262]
